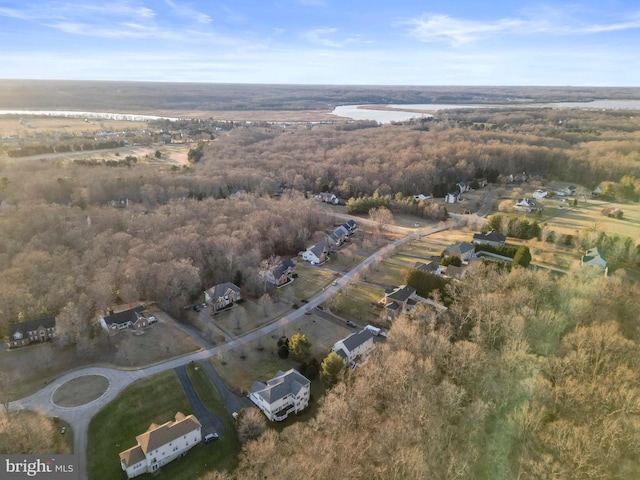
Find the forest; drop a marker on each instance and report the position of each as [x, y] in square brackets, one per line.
[66, 248]
[526, 376]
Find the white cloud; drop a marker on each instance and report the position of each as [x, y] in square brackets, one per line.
[186, 10]
[457, 31]
[324, 36]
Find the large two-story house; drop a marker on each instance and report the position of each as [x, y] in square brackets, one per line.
[316, 254]
[32, 331]
[161, 444]
[287, 392]
[222, 295]
[355, 345]
[398, 300]
[281, 273]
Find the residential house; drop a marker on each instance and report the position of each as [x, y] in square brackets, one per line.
[517, 177]
[222, 295]
[463, 250]
[287, 392]
[398, 300]
[281, 273]
[32, 331]
[612, 212]
[540, 193]
[336, 238]
[161, 444]
[597, 191]
[328, 198]
[526, 205]
[452, 197]
[482, 182]
[351, 226]
[432, 267]
[134, 319]
[316, 254]
[463, 187]
[492, 238]
[343, 231]
[355, 345]
[594, 258]
[421, 197]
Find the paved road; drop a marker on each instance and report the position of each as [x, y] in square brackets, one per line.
[79, 417]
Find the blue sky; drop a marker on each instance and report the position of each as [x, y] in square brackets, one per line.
[324, 41]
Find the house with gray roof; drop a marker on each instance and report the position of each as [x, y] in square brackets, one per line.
[222, 295]
[317, 253]
[463, 250]
[398, 300]
[32, 331]
[161, 444]
[492, 238]
[287, 392]
[355, 345]
[133, 319]
[281, 273]
[594, 258]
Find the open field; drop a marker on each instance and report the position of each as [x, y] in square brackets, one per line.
[354, 303]
[249, 315]
[40, 364]
[45, 125]
[259, 360]
[115, 427]
[310, 282]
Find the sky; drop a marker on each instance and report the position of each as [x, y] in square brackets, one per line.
[373, 42]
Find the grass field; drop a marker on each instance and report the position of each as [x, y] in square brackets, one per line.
[354, 303]
[310, 282]
[115, 427]
[250, 315]
[259, 360]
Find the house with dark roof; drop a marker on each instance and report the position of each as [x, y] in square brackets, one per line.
[316, 254]
[32, 331]
[281, 273]
[336, 238]
[527, 205]
[222, 295]
[355, 345]
[287, 392]
[352, 226]
[433, 266]
[161, 444]
[133, 319]
[463, 250]
[398, 300]
[492, 238]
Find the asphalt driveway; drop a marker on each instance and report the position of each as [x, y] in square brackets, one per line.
[209, 421]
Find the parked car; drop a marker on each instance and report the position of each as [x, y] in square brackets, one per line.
[197, 308]
[210, 437]
[352, 324]
[63, 430]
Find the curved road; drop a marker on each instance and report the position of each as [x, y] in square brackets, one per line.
[79, 417]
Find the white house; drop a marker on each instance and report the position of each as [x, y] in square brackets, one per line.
[287, 392]
[526, 205]
[316, 254]
[452, 197]
[161, 444]
[356, 344]
[540, 193]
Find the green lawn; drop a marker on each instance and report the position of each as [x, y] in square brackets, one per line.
[250, 315]
[388, 272]
[154, 399]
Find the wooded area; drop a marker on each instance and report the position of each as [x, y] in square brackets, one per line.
[526, 376]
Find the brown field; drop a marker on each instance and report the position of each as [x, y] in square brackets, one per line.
[40, 364]
[244, 365]
[52, 125]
